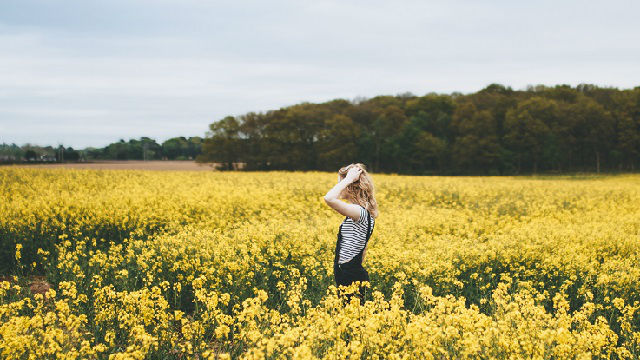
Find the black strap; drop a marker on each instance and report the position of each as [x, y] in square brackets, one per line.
[369, 229]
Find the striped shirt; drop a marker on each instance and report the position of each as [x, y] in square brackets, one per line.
[354, 236]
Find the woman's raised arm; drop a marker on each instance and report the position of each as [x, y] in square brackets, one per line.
[344, 208]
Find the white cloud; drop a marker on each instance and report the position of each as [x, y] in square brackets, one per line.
[110, 70]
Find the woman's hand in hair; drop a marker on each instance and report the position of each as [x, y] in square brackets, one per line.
[353, 174]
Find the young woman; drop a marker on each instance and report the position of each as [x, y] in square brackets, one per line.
[356, 186]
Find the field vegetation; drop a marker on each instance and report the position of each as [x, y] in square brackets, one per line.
[174, 264]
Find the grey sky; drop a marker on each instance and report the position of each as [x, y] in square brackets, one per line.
[87, 73]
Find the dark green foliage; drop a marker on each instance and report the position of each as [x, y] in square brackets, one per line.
[495, 131]
[177, 148]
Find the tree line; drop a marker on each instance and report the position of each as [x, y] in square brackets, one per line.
[176, 148]
[494, 131]
[144, 148]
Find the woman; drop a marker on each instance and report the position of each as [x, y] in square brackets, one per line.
[356, 186]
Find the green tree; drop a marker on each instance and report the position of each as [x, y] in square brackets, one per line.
[476, 148]
[222, 143]
[594, 129]
[528, 130]
[175, 147]
[337, 144]
[430, 150]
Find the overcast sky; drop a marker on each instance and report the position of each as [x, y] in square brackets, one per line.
[87, 72]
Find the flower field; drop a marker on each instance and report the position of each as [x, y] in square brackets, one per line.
[220, 265]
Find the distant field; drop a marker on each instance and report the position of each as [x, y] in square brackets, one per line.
[129, 164]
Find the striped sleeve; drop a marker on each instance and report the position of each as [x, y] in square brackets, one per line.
[363, 216]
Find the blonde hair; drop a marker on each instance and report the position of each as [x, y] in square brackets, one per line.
[361, 190]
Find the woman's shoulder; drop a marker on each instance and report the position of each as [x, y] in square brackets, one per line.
[364, 213]
[367, 211]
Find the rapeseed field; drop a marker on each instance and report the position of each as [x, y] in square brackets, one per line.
[221, 265]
